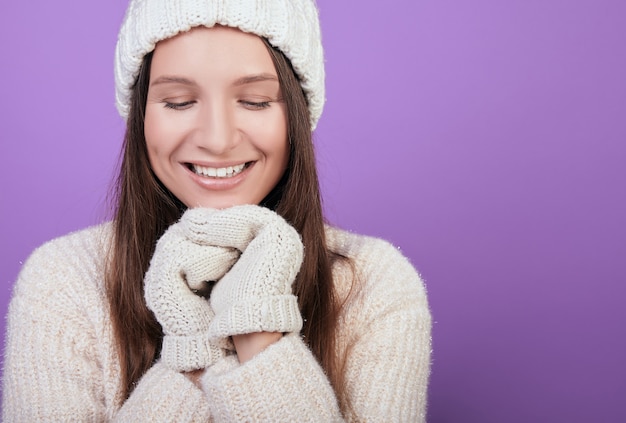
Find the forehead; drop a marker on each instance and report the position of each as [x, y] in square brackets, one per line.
[217, 50]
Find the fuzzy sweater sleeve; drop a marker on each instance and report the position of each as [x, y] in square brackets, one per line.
[163, 395]
[60, 362]
[283, 383]
[384, 336]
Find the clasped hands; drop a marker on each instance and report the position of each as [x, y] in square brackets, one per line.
[251, 253]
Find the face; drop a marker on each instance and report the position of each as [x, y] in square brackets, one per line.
[215, 123]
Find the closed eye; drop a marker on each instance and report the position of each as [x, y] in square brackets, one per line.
[255, 105]
[179, 106]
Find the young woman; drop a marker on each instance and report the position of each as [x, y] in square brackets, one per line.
[218, 293]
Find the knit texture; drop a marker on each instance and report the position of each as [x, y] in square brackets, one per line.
[181, 262]
[292, 26]
[298, 371]
[61, 362]
[255, 295]
[153, 400]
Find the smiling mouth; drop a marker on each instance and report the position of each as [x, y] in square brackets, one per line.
[218, 172]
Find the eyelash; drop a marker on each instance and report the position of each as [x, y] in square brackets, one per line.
[178, 106]
[253, 105]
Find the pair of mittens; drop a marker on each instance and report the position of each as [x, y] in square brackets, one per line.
[252, 252]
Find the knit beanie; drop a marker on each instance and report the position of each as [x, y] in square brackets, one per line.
[292, 26]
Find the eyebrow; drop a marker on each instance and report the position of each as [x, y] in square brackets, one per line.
[248, 79]
[172, 80]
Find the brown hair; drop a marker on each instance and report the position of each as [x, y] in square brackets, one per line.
[145, 208]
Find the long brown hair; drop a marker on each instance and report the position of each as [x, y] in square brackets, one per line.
[145, 208]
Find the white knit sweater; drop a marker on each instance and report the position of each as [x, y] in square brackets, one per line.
[61, 364]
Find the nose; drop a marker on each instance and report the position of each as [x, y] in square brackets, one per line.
[217, 132]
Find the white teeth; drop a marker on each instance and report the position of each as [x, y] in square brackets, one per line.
[219, 172]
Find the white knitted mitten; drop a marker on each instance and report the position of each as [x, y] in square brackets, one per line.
[255, 295]
[181, 264]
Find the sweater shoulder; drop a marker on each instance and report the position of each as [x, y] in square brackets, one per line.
[383, 329]
[366, 252]
[353, 245]
[59, 330]
[76, 258]
[373, 266]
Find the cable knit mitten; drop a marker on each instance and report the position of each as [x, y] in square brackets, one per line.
[255, 295]
[182, 264]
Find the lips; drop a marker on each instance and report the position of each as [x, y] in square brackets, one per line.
[217, 172]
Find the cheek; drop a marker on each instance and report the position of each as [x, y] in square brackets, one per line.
[158, 135]
[276, 145]
[274, 140]
[152, 128]
[151, 131]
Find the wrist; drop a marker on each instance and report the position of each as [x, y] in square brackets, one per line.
[250, 344]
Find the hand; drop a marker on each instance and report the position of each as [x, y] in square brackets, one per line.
[255, 295]
[181, 265]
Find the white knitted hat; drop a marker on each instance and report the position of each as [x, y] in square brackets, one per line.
[292, 26]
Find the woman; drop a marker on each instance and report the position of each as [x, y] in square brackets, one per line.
[217, 292]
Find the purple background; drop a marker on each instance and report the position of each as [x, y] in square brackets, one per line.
[486, 139]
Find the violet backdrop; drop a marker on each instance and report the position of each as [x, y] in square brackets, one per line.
[486, 139]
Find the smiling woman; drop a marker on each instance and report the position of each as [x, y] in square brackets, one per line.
[218, 292]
